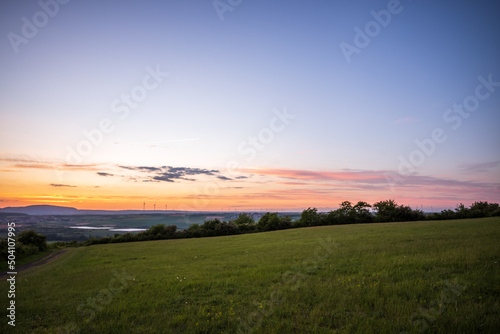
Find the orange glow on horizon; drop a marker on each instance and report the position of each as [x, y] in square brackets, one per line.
[260, 189]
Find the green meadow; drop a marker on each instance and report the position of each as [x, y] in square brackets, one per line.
[413, 277]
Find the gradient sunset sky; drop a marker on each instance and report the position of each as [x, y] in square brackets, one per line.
[247, 105]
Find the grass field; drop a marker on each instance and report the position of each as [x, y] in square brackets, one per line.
[437, 276]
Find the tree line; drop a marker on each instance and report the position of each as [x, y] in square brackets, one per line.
[30, 242]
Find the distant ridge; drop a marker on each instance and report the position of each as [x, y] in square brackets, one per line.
[54, 210]
[41, 210]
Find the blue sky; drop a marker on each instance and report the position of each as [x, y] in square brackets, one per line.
[226, 79]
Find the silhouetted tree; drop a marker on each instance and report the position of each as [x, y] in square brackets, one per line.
[389, 211]
[386, 211]
[361, 213]
[310, 217]
[461, 211]
[484, 209]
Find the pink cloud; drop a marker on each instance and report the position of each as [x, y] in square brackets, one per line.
[378, 183]
[320, 176]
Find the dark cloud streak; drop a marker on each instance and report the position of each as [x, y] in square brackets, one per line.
[169, 173]
[104, 174]
[57, 185]
[479, 167]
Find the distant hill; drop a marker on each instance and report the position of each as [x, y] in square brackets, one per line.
[41, 210]
[54, 210]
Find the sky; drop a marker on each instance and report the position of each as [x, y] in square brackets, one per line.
[249, 105]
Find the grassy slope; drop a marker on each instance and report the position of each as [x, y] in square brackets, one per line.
[384, 278]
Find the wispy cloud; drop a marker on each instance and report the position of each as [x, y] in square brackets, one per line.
[16, 163]
[370, 180]
[479, 167]
[57, 185]
[343, 175]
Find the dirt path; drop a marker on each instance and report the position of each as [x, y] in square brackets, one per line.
[46, 259]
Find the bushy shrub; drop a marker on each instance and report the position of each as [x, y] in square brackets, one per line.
[193, 231]
[225, 228]
[209, 227]
[476, 210]
[245, 223]
[272, 222]
[23, 250]
[26, 243]
[244, 219]
[30, 237]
